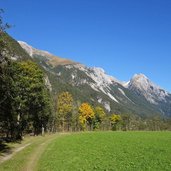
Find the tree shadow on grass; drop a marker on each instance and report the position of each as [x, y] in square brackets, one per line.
[5, 149]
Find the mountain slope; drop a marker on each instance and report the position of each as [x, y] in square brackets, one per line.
[16, 52]
[44, 55]
[139, 97]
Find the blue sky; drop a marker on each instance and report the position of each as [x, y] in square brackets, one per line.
[122, 36]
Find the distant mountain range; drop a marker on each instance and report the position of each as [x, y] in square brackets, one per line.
[139, 96]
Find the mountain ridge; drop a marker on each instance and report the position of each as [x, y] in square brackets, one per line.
[53, 60]
[138, 96]
[31, 50]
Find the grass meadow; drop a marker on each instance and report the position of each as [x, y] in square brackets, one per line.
[89, 151]
[108, 151]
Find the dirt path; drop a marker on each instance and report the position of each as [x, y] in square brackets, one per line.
[25, 156]
[33, 159]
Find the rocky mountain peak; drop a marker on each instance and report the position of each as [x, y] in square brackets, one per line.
[140, 81]
[140, 76]
[152, 92]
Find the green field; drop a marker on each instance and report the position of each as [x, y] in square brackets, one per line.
[109, 151]
[101, 151]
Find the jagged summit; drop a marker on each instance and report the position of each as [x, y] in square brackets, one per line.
[100, 72]
[152, 92]
[141, 81]
[138, 79]
[140, 76]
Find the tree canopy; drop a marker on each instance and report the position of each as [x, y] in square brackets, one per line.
[86, 115]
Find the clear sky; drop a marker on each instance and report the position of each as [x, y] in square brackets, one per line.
[122, 36]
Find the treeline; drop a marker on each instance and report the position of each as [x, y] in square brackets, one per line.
[76, 116]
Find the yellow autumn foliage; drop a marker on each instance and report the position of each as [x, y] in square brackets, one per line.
[115, 118]
[86, 113]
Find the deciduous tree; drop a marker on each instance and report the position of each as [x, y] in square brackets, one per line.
[114, 121]
[86, 115]
[64, 109]
[99, 116]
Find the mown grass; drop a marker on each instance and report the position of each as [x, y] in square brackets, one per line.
[108, 151]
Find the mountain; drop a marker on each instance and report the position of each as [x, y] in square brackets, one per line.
[142, 86]
[139, 96]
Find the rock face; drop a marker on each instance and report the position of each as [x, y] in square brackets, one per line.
[139, 96]
[142, 85]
